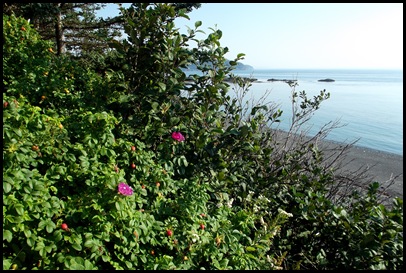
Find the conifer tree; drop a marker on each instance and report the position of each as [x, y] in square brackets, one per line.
[74, 27]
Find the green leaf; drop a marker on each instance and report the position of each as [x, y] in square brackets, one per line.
[224, 263]
[6, 187]
[30, 241]
[17, 132]
[185, 163]
[7, 235]
[58, 236]
[106, 258]
[71, 157]
[198, 24]
[27, 233]
[124, 99]
[50, 226]
[78, 260]
[20, 157]
[250, 248]
[42, 224]
[42, 252]
[111, 153]
[154, 105]
[77, 267]
[174, 120]
[48, 249]
[6, 264]
[343, 213]
[89, 265]
[40, 246]
[128, 264]
[162, 86]
[89, 243]
[77, 246]
[239, 55]
[20, 209]
[118, 207]
[143, 259]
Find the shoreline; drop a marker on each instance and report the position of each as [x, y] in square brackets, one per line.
[381, 165]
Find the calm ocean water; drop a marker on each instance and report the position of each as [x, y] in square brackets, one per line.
[369, 103]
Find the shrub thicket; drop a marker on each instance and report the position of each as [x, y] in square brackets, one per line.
[135, 168]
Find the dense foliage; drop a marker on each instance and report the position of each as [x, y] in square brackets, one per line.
[131, 167]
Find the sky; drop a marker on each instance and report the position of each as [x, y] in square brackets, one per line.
[304, 35]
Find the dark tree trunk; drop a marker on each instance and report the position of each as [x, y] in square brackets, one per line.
[60, 39]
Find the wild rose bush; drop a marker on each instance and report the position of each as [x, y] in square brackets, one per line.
[74, 200]
[112, 224]
[134, 169]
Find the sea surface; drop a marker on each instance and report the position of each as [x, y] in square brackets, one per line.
[368, 104]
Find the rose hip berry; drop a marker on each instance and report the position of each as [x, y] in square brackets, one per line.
[64, 226]
[133, 148]
[169, 232]
[133, 165]
[202, 226]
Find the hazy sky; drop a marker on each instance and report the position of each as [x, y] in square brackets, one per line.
[308, 35]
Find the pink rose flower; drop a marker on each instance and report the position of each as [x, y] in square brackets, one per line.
[124, 189]
[178, 136]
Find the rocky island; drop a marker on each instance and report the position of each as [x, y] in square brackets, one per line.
[282, 80]
[326, 80]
